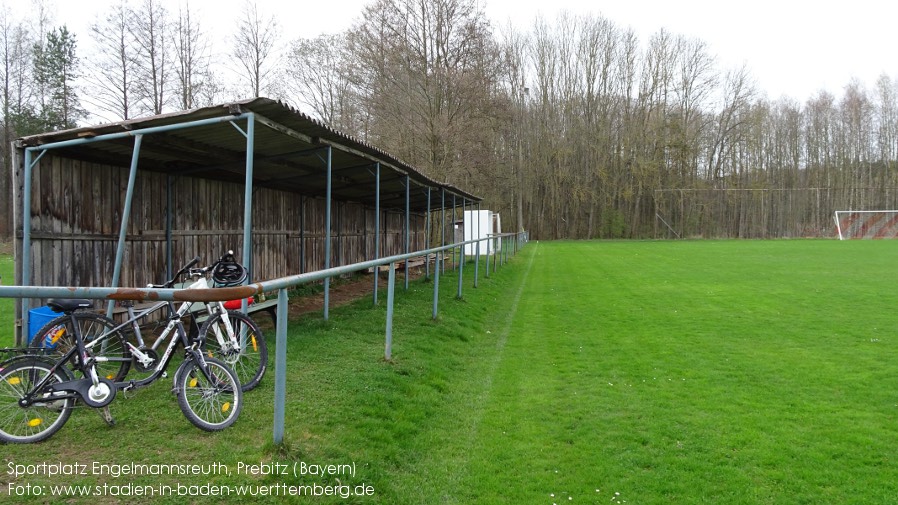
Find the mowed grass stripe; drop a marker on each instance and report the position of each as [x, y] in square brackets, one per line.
[697, 372]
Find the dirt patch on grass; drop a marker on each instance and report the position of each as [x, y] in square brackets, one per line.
[345, 291]
[5, 246]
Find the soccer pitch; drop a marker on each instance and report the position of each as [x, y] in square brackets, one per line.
[699, 372]
[653, 372]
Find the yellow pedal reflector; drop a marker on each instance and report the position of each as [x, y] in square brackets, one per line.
[14, 381]
[253, 339]
[110, 376]
[226, 407]
[193, 382]
[35, 422]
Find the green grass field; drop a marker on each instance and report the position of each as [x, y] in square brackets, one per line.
[581, 372]
[7, 317]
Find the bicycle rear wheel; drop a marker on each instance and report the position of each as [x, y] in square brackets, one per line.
[251, 360]
[211, 403]
[40, 420]
[113, 355]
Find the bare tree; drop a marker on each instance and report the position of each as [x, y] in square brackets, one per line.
[153, 61]
[192, 69]
[515, 47]
[41, 26]
[428, 70]
[737, 95]
[696, 80]
[887, 120]
[15, 44]
[319, 74]
[112, 78]
[254, 48]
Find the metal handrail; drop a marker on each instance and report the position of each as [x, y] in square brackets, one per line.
[280, 285]
[218, 294]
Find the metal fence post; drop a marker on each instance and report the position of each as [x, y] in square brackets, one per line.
[477, 249]
[436, 285]
[489, 241]
[461, 271]
[476, 262]
[391, 290]
[280, 368]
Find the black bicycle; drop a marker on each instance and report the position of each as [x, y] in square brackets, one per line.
[37, 393]
[229, 335]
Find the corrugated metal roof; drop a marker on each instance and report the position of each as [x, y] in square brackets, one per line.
[289, 155]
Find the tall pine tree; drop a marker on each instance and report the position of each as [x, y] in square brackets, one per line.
[55, 70]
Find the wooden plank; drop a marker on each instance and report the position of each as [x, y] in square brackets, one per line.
[77, 206]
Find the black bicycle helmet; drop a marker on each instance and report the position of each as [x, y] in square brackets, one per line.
[228, 272]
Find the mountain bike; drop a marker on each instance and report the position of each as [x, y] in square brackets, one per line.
[37, 393]
[229, 335]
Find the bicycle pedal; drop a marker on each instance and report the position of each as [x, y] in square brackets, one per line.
[107, 416]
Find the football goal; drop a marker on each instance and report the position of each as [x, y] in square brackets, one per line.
[868, 224]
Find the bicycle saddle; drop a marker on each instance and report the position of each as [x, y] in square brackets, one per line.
[68, 305]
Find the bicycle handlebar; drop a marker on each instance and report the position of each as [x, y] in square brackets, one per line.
[194, 261]
[188, 268]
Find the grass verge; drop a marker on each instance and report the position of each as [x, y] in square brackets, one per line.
[346, 405]
[7, 312]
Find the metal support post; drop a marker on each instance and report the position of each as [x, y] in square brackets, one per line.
[443, 227]
[248, 195]
[461, 255]
[302, 234]
[427, 237]
[327, 240]
[22, 336]
[408, 185]
[123, 227]
[169, 243]
[248, 201]
[376, 226]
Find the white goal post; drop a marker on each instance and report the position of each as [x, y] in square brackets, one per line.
[866, 224]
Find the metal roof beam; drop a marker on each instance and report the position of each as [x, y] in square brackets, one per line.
[283, 129]
[362, 154]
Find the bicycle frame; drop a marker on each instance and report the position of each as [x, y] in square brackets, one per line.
[174, 323]
[77, 388]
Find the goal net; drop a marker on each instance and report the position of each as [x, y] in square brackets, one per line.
[869, 224]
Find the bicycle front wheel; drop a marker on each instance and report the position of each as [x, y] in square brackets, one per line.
[40, 420]
[212, 401]
[112, 355]
[249, 358]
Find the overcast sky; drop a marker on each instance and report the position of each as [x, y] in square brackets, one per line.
[792, 48]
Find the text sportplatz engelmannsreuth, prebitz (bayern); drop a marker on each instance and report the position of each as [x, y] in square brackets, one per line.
[297, 478]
